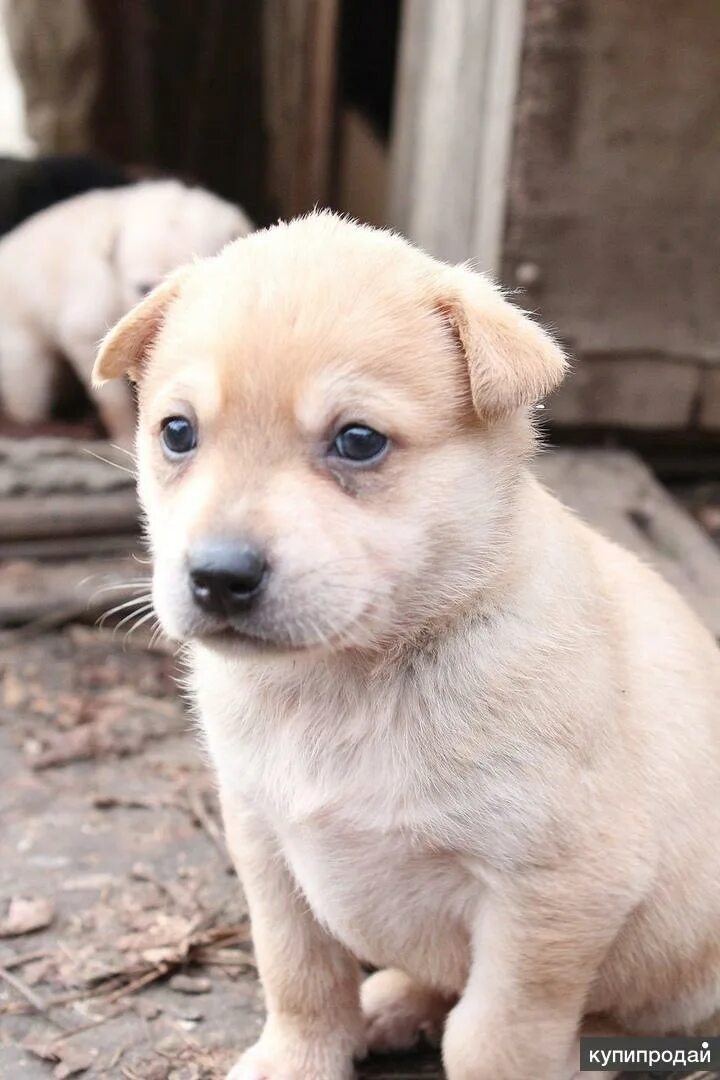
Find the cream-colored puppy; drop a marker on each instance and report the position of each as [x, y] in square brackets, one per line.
[68, 273]
[458, 734]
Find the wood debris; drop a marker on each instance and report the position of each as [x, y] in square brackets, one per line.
[190, 984]
[25, 915]
[119, 722]
[145, 936]
[69, 1060]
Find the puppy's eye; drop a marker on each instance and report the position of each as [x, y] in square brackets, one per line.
[359, 443]
[178, 435]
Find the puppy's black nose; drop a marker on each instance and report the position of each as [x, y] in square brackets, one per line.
[225, 576]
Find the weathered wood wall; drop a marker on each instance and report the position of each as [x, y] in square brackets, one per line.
[613, 203]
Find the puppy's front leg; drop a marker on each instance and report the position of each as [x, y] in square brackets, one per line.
[535, 957]
[314, 1024]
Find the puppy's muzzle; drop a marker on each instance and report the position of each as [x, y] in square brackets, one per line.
[226, 577]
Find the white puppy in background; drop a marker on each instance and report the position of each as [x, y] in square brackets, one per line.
[70, 272]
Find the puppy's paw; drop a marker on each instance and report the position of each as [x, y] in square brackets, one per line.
[592, 1028]
[399, 1013]
[294, 1059]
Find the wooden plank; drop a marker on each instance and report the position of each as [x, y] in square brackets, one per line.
[57, 548]
[640, 393]
[709, 399]
[56, 491]
[612, 205]
[55, 593]
[454, 116]
[299, 39]
[59, 466]
[619, 496]
[67, 515]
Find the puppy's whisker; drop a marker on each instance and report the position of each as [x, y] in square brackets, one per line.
[155, 636]
[136, 626]
[137, 604]
[131, 616]
[107, 461]
[89, 578]
[124, 450]
[134, 601]
[121, 586]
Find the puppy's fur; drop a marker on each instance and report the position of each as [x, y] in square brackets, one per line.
[461, 736]
[68, 273]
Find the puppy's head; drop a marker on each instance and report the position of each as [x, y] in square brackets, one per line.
[164, 224]
[332, 428]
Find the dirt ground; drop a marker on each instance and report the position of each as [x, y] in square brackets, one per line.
[124, 941]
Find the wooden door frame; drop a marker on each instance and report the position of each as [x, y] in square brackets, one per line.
[458, 70]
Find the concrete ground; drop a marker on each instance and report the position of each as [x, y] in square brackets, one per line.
[124, 943]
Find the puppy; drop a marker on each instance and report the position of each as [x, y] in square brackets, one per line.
[70, 272]
[459, 736]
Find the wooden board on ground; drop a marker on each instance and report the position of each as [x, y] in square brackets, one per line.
[618, 495]
[52, 593]
[61, 466]
[60, 498]
[68, 525]
[629, 283]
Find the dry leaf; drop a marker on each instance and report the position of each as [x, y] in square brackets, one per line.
[186, 1072]
[151, 1070]
[118, 722]
[44, 1051]
[72, 1062]
[25, 915]
[14, 692]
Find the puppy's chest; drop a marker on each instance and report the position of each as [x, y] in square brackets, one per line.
[387, 896]
[414, 786]
[386, 820]
[373, 845]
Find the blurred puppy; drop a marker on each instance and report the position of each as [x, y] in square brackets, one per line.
[69, 272]
[458, 734]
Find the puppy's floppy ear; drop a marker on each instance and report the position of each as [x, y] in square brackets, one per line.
[124, 348]
[511, 360]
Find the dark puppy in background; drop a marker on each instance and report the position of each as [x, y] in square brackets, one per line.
[29, 185]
